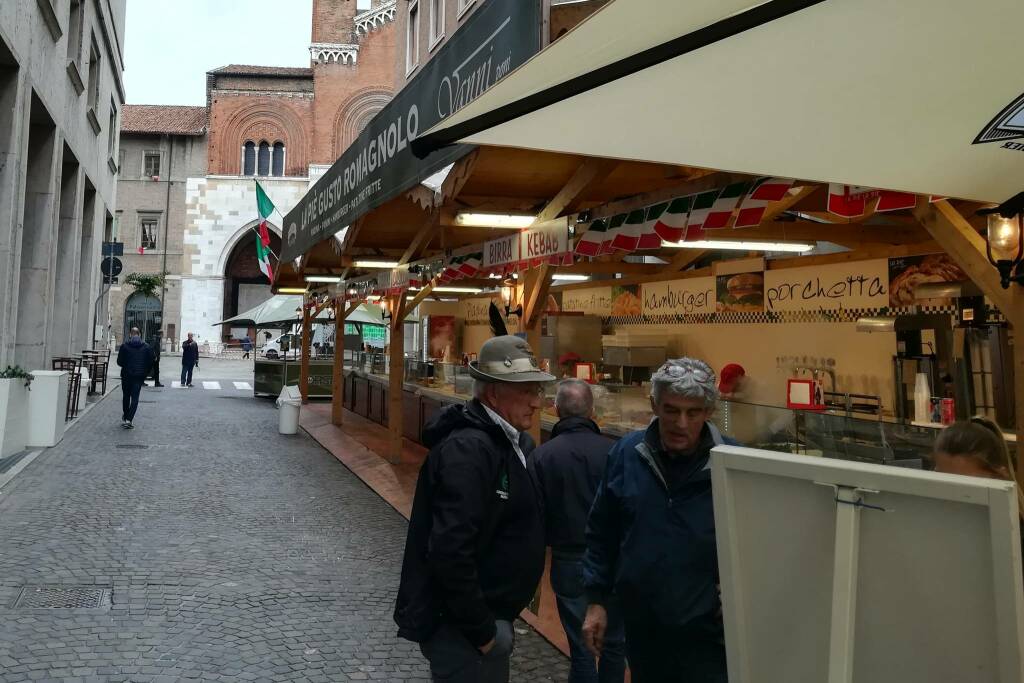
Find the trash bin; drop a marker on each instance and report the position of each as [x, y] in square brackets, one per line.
[289, 403]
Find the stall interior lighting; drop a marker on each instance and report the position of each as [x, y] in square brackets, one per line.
[733, 245]
[570, 277]
[494, 220]
[292, 290]
[376, 264]
[332, 279]
[451, 290]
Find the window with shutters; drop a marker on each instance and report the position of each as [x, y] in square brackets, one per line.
[151, 164]
[436, 22]
[249, 158]
[149, 226]
[277, 167]
[412, 38]
[75, 31]
[94, 76]
[263, 159]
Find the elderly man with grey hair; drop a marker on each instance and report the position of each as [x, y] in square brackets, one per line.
[568, 469]
[651, 536]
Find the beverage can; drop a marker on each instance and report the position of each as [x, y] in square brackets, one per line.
[948, 411]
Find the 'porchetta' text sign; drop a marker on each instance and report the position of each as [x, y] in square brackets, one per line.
[860, 284]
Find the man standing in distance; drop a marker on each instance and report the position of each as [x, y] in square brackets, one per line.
[569, 468]
[475, 550]
[135, 360]
[651, 536]
[189, 360]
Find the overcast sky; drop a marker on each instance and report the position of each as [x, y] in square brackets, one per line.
[169, 46]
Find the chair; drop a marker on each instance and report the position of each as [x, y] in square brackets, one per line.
[97, 369]
[71, 366]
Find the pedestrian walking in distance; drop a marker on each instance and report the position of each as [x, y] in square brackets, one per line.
[189, 360]
[154, 345]
[246, 346]
[135, 359]
[651, 537]
[569, 468]
[475, 550]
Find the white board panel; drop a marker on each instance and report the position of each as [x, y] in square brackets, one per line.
[939, 591]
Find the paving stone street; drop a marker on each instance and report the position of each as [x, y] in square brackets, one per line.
[212, 548]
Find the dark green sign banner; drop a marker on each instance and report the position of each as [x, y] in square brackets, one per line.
[498, 37]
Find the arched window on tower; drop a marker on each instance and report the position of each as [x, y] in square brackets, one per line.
[277, 167]
[249, 158]
[263, 165]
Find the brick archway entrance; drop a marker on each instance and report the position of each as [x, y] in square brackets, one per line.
[244, 285]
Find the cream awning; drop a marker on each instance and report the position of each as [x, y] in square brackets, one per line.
[875, 93]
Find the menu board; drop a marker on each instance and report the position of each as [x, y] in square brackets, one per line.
[860, 284]
[680, 297]
[590, 301]
[476, 310]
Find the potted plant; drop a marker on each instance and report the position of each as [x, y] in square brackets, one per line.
[14, 386]
[146, 284]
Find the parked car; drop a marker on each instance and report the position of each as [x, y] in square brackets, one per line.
[288, 344]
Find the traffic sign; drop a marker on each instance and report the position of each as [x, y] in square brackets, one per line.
[113, 248]
[111, 266]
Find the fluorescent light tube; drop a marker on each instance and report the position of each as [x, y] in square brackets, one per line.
[494, 220]
[736, 245]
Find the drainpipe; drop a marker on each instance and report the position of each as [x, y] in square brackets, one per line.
[167, 223]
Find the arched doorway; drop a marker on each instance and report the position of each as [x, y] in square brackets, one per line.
[245, 286]
[142, 312]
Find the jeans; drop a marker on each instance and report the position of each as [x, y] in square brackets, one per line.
[681, 654]
[452, 657]
[186, 373]
[567, 582]
[130, 388]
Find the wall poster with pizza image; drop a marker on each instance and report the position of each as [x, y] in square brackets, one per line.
[907, 273]
[626, 300]
[740, 293]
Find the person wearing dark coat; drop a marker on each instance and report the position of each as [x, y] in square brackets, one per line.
[568, 469]
[474, 553]
[135, 359]
[651, 537]
[154, 345]
[189, 360]
[246, 346]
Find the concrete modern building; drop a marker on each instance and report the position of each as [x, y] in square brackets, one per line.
[284, 127]
[60, 105]
[161, 147]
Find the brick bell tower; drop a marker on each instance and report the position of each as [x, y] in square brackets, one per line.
[334, 21]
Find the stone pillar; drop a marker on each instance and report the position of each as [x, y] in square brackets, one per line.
[38, 256]
[89, 281]
[14, 113]
[69, 245]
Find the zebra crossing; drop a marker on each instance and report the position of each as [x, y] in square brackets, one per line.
[216, 386]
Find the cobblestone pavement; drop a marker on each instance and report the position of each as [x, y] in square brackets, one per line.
[232, 553]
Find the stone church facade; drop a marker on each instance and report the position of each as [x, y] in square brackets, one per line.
[282, 127]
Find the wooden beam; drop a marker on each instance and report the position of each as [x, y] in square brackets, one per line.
[606, 268]
[427, 231]
[592, 171]
[536, 294]
[420, 296]
[964, 245]
[396, 377]
[338, 369]
[306, 346]
[838, 233]
[684, 258]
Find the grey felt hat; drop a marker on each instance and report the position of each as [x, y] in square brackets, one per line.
[507, 359]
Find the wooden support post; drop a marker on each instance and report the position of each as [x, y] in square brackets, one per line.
[396, 377]
[961, 241]
[307, 328]
[338, 372]
[535, 294]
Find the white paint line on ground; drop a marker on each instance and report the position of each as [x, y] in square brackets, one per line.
[213, 386]
[242, 386]
[176, 384]
[22, 464]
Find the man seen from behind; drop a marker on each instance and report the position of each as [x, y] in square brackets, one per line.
[135, 359]
[568, 469]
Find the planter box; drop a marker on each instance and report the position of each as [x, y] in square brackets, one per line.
[47, 407]
[13, 416]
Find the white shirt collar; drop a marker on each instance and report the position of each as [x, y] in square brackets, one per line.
[511, 432]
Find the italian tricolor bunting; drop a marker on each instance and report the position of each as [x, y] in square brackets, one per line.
[615, 226]
[702, 205]
[670, 219]
[590, 241]
[721, 210]
[628, 236]
[265, 208]
[765, 191]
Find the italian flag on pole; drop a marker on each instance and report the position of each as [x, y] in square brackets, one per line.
[265, 208]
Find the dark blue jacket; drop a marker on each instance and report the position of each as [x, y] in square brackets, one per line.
[569, 468]
[655, 548]
[135, 359]
[189, 353]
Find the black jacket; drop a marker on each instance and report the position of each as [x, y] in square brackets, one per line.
[475, 549]
[569, 468]
[135, 359]
[189, 353]
[154, 346]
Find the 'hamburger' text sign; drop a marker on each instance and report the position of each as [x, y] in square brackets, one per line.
[861, 284]
[680, 297]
